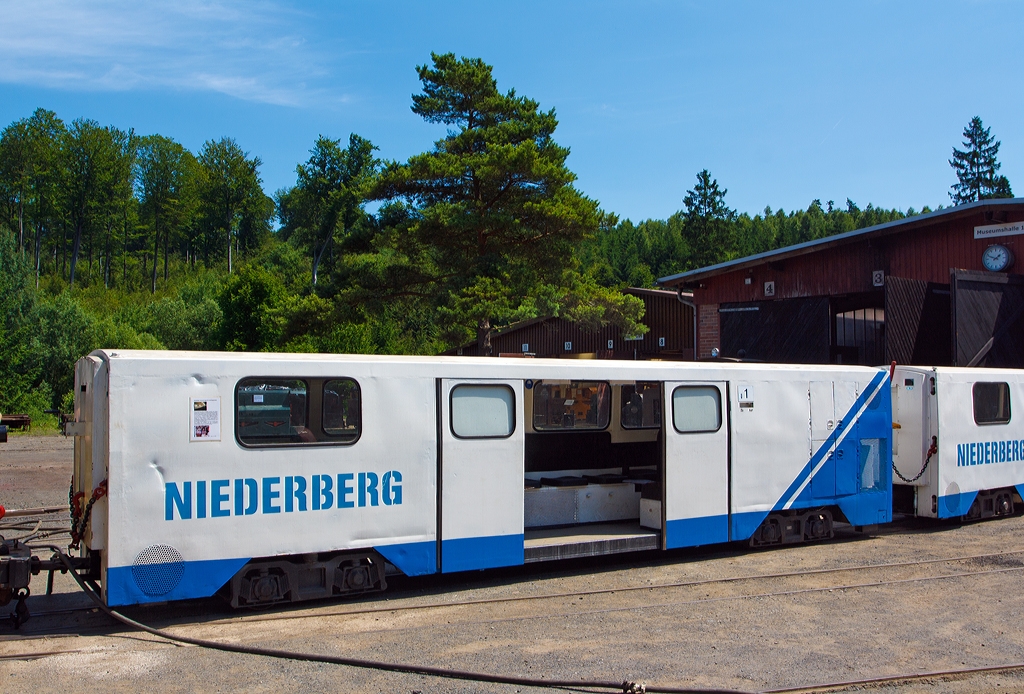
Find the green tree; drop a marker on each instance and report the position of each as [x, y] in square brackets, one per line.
[632, 253]
[250, 303]
[30, 172]
[90, 155]
[489, 219]
[67, 329]
[18, 346]
[233, 204]
[65, 335]
[181, 324]
[202, 316]
[46, 133]
[1000, 188]
[116, 197]
[164, 169]
[759, 233]
[709, 222]
[976, 167]
[327, 199]
[15, 175]
[624, 253]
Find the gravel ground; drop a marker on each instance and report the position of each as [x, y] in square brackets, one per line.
[35, 470]
[755, 634]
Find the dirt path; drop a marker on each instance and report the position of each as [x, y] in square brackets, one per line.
[35, 471]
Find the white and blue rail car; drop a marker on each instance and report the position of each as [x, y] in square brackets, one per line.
[272, 478]
[958, 451]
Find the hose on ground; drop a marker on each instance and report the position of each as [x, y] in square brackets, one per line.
[625, 687]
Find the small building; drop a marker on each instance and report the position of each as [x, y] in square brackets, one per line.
[944, 288]
[667, 315]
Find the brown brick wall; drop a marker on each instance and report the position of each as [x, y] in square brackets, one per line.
[708, 329]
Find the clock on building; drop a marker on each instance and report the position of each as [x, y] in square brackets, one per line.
[997, 258]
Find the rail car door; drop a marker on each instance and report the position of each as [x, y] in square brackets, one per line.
[481, 461]
[696, 488]
[90, 431]
[912, 438]
[831, 405]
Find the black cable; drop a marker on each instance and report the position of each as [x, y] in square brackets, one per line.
[626, 687]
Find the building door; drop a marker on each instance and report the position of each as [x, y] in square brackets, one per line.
[696, 480]
[787, 331]
[917, 322]
[988, 319]
[481, 432]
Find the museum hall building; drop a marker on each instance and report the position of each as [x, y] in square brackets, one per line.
[943, 288]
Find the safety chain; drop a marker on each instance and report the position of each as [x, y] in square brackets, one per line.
[931, 451]
[79, 518]
[73, 500]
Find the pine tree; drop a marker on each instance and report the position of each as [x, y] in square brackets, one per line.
[493, 218]
[709, 223]
[1001, 189]
[976, 167]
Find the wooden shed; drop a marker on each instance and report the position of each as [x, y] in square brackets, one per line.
[943, 288]
[667, 315]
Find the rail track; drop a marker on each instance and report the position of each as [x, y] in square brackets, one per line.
[289, 613]
[565, 604]
[821, 687]
[890, 680]
[670, 585]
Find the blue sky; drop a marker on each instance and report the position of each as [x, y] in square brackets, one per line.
[782, 102]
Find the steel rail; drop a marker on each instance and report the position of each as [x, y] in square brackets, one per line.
[626, 608]
[341, 611]
[36, 656]
[883, 679]
[626, 687]
[583, 684]
[698, 601]
[776, 594]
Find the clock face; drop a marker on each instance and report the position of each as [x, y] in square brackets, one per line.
[996, 258]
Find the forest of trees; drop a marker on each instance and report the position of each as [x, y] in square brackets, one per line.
[111, 239]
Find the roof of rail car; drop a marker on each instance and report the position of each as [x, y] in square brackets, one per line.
[977, 371]
[491, 366]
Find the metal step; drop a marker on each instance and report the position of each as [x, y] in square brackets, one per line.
[588, 541]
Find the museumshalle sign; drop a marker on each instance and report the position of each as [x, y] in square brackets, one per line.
[993, 230]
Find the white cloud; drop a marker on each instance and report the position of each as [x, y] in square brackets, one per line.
[249, 50]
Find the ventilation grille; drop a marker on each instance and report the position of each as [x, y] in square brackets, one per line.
[158, 570]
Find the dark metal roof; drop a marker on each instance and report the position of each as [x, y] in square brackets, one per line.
[635, 291]
[885, 229]
[639, 291]
[664, 313]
